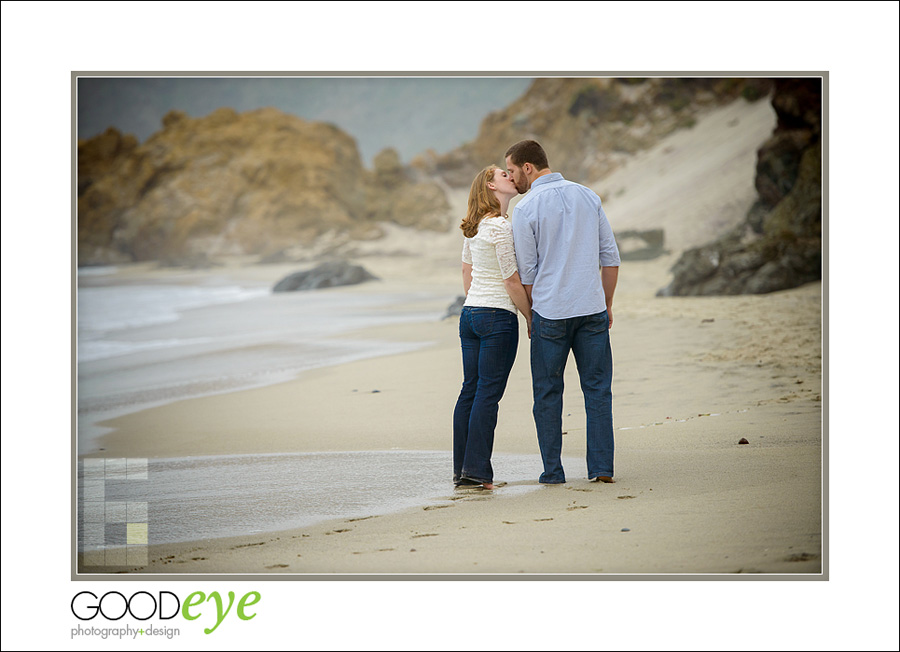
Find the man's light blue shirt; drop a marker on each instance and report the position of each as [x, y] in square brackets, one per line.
[562, 238]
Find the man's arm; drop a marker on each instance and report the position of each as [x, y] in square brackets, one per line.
[526, 249]
[609, 276]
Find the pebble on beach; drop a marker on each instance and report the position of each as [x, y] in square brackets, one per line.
[743, 441]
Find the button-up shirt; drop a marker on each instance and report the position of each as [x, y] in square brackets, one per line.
[562, 239]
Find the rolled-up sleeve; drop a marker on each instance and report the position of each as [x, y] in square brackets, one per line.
[609, 251]
[526, 247]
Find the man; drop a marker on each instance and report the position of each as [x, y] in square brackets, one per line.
[562, 239]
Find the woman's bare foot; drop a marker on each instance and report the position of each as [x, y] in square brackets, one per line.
[603, 478]
[471, 483]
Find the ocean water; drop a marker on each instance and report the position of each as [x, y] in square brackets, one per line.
[147, 344]
[194, 498]
[107, 314]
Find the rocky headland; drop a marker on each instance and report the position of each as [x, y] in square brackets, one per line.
[261, 182]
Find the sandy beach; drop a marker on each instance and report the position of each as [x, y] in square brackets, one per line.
[693, 377]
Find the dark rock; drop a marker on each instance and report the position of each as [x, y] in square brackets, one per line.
[326, 275]
[455, 308]
[778, 163]
[756, 217]
[779, 245]
[743, 441]
[640, 245]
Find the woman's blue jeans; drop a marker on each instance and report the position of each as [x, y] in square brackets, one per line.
[489, 337]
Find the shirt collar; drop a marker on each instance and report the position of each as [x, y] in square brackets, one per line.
[547, 178]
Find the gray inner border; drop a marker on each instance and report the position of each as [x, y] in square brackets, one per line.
[75, 576]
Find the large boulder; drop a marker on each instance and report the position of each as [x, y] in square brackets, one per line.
[326, 275]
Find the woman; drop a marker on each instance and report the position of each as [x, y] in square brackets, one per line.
[488, 325]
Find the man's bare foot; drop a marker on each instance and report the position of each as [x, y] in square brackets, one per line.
[603, 478]
[487, 485]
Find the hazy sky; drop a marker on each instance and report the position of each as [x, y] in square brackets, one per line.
[408, 113]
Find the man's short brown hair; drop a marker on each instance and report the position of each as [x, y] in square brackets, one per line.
[528, 151]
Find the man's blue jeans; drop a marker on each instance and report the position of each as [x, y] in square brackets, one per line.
[489, 337]
[588, 338]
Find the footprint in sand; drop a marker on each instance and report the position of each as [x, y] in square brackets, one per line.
[430, 507]
[277, 566]
[802, 556]
[419, 536]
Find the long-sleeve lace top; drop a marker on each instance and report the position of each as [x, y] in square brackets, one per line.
[493, 258]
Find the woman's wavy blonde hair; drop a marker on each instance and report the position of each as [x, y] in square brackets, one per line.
[482, 202]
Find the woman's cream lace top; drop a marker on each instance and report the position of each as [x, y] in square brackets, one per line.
[493, 258]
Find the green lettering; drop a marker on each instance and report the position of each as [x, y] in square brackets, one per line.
[243, 603]
[190, 602]
[220, 616]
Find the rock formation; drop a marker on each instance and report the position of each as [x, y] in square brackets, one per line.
[326, 275]
[779, 246]
[589, 126]
[641, 245]
[228, 183]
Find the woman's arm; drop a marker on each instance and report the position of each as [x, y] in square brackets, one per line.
[467, 277]
[516, 292]
[502, 237]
